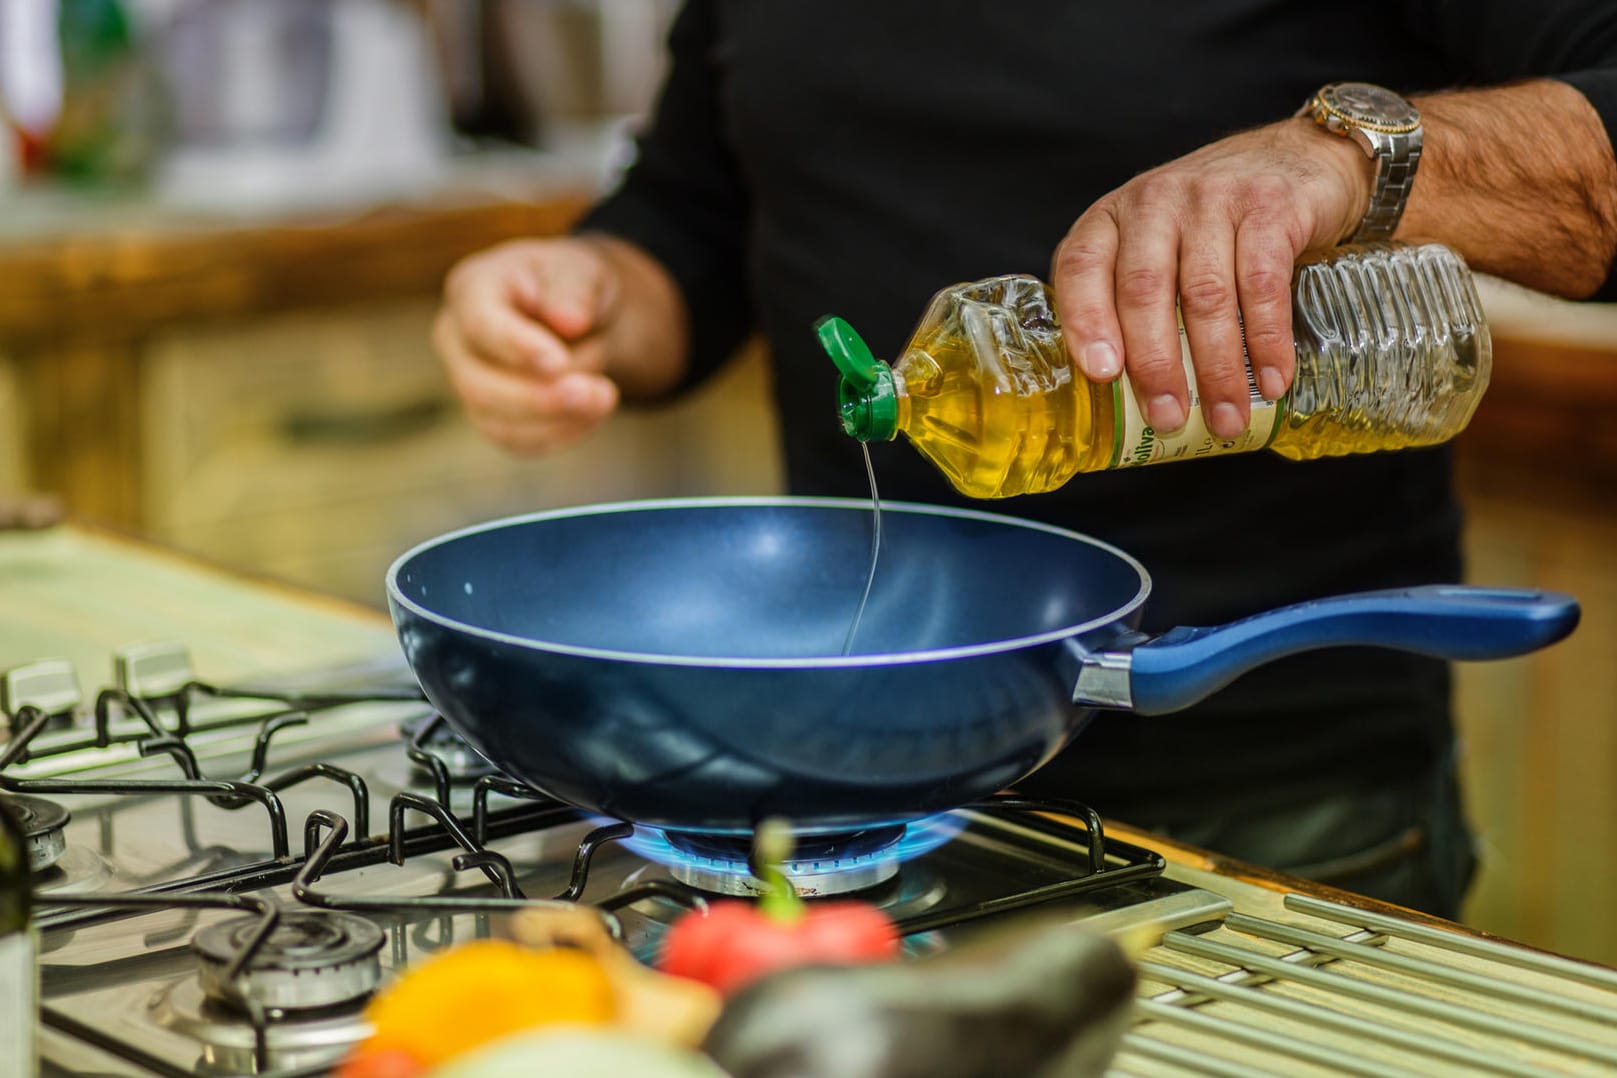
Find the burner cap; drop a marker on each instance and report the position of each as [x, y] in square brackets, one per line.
[43, 822]
[820, 864]
[312, 959]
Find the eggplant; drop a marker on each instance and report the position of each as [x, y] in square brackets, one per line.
[1038, 997]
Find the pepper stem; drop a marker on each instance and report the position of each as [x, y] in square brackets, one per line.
[772, 845]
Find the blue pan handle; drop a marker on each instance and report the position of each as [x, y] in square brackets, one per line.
[1185, 665]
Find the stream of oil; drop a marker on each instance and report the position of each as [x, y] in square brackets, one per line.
[875, 552]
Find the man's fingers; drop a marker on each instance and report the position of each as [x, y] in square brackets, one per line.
[569, 290]
[1263, 268]
[483, 388]
[498, 392]
[586, 396]
[567, 409]
[561, 413]
[496, 330]
[506, 394]
[1212, 318]
[1146, 283]
[518, 336]
[1082, 275]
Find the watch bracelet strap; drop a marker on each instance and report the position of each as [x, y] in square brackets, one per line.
[1394, 178]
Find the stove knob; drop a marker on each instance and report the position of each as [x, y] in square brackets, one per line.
[155, 671]
[51, 685]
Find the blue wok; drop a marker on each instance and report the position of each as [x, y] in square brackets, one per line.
[678, 663]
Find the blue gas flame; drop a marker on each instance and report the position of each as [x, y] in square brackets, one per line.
[919, 837]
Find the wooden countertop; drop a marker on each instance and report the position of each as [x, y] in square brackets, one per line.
[78, 594]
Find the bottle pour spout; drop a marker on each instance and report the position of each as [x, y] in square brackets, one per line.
[867, 397]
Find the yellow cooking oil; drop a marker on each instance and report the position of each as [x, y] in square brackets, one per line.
[1021, 422]
[1393, 352]
[875, 553]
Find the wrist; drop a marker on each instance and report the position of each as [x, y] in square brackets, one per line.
[1387, 128]
[1348, 175]
[643, 318]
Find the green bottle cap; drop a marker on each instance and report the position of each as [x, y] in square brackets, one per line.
[867, 397]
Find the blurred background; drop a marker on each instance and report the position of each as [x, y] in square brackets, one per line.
[223, 227]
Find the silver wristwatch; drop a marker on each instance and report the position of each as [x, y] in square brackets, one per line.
[1388, 129]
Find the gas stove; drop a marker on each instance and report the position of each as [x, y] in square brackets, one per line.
[226, 875]
[186, 929]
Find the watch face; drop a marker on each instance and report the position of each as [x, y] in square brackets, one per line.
[1370, 106]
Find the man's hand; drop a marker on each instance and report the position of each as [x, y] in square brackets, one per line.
[1218, 231]
[1521, 180]
[521, 334]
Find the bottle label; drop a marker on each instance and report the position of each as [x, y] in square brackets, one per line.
[1136, 442]
[18, 1006]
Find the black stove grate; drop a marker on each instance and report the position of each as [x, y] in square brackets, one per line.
[333, 843]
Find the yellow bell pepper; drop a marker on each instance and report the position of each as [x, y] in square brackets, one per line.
[474, 993]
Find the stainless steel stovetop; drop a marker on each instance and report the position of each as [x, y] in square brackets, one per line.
[178, 851]
[245, 869]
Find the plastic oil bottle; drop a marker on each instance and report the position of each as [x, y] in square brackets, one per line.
[1393, 352]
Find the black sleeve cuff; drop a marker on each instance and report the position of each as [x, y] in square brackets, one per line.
[1599, 85]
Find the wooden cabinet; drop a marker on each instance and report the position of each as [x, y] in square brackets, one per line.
[81, 310]
[13, 437]
[1539, 734]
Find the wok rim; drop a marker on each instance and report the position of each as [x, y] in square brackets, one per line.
[811, 662]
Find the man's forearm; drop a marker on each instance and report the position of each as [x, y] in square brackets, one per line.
[1522, 182]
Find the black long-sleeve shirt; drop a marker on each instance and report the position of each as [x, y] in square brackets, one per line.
[853, 156]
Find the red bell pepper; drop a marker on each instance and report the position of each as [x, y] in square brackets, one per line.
[735, 942]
